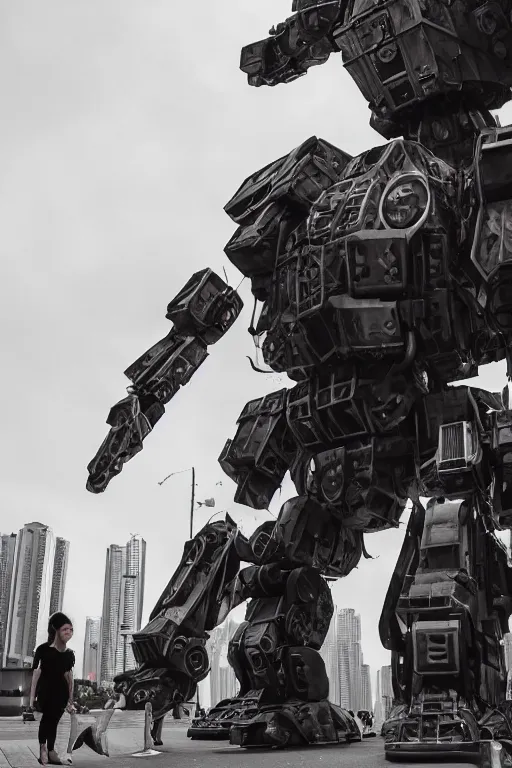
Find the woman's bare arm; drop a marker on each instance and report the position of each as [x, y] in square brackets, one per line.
[36, 674]
[69, 677]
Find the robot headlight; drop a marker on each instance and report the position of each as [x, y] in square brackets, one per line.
[405, 202]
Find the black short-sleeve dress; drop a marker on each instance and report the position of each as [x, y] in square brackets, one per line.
[52, 688]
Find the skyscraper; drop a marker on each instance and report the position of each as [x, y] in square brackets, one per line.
[223, 683]
[29, 599]
[329, 653]
[378, 709]
[348, 630]
[122, 605]
[507, 648]
[366, 685]
[91, 669]
[7, 547]
[60, 569]
[386, 690]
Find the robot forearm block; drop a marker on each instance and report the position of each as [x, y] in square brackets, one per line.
[300, 42]
[202, 312]
[167, 366]
[205, 307]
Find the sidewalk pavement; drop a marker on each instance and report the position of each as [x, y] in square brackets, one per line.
[19, 747]
[180, 752]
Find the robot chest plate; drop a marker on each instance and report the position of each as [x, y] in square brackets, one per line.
[373, 249]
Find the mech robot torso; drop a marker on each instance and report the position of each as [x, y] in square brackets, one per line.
[365, 278]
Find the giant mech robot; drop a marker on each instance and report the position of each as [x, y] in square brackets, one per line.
[382, 280]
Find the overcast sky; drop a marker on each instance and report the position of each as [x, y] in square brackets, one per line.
[125, 128]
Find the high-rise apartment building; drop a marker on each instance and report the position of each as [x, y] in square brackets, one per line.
[386, 690]
[30, 593]
[91, 665]
[383, 695]
[366, 686]
[7, 547]
[329, 653]
[60, 569]
[223, 683]
[122, 606]
[507, 648]
[350, 658]
[378, 708]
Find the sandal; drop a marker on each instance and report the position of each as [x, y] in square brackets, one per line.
[43, 755]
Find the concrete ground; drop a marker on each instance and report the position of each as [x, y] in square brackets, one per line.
[19, 748]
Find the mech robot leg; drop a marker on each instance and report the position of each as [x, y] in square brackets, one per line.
[283, 697]
[449, 602]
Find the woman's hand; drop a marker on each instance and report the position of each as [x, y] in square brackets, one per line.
[70, 708]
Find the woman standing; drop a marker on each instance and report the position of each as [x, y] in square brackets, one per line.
[52, 680]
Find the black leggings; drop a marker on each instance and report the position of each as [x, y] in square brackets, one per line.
[48, 726]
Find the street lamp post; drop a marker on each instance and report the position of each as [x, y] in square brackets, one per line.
[192, 501]
[207, 503]
[192, 493]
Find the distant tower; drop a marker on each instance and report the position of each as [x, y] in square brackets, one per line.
[122, 605]
[386, 690]
[329, 653]
[348, 630]
[91, 669]
[223, 682]
[507, 647]
[366, 685]
[29, 600]
[379, 709]
[60, 570]
[7, 547]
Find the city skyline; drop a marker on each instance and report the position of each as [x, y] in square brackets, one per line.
[107, 650]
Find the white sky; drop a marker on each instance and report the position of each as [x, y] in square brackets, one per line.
[125, 128]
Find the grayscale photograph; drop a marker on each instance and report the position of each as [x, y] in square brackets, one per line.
[256, 324]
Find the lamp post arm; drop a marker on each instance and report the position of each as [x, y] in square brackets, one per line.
[192, 501]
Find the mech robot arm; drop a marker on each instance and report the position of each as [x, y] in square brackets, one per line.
[202, 312]
[302, 41]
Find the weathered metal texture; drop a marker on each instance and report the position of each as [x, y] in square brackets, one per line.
[380, 280]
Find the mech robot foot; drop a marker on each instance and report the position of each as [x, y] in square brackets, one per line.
[251, 721]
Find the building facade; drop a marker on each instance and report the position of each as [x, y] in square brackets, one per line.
[92, 644]
[386, 690]
[60, 569]
[123, 598]
[350, 658]
[366, 686]
[30, 594]
[7, 548]
[329, 653]
[223, 683]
